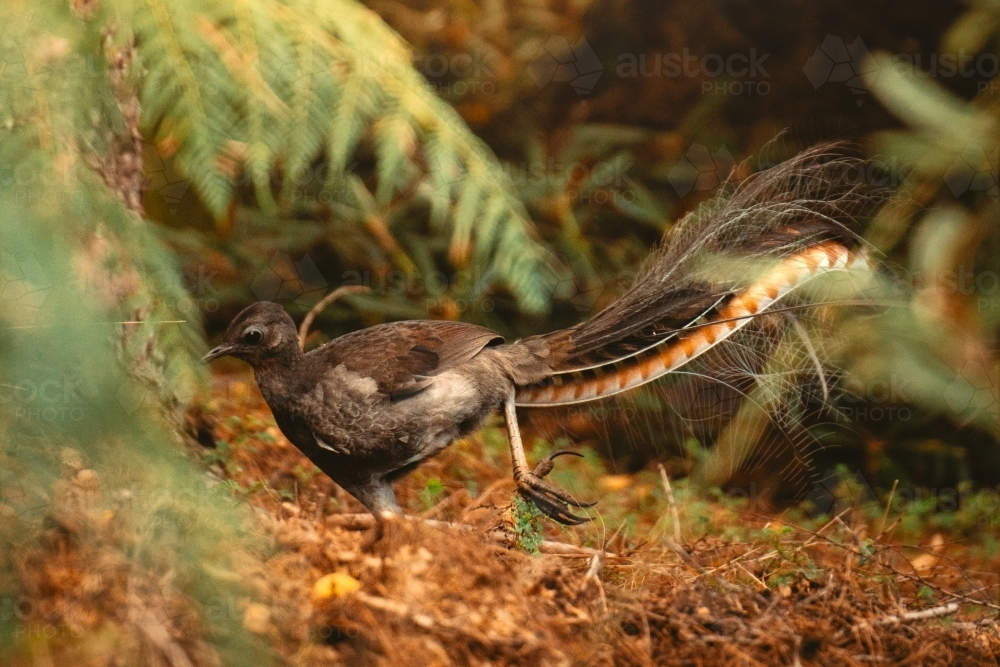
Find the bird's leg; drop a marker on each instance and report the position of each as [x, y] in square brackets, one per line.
[377, 497]
[376, 534]
[375, 494]
[547, 498]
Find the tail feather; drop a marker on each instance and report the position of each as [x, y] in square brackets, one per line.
[797, 219]
[579, 385]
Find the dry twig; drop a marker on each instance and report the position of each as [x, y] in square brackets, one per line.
[671, 503]
[888, 506]
[922, 615]
[321, 306]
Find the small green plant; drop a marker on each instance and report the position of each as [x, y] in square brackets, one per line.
[220, 454]
[431, 493]
[527, 526]
[306, 473]
[782, 579]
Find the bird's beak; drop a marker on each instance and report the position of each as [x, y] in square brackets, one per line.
[220, 351]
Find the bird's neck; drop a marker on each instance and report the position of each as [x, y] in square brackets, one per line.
[281, 368]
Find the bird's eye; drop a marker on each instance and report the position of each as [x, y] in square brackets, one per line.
[253, 337]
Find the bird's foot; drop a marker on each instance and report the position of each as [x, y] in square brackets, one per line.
[385, 522]
[551, 501]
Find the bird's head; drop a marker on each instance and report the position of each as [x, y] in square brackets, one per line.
[260, 333]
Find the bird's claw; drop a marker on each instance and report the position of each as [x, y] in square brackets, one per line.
[550, 500]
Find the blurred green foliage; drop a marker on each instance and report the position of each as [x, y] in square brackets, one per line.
[943, 231]
[96, 369]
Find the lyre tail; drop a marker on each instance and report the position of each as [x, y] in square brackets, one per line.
[798, 219]
[620, 375]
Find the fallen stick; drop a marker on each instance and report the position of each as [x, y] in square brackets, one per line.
[922, 615]
[671, 504]
[563, 549]
[976, 625]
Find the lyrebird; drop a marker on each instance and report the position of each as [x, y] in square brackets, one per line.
[370, 406]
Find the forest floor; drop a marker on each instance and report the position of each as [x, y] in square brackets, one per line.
[472, 577]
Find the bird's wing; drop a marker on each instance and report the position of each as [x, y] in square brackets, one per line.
[403, 357]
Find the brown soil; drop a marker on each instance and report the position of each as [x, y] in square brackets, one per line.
[745, 590]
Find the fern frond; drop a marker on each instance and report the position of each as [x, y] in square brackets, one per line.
[267, 89]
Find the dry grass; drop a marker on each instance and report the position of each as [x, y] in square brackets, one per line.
[750, 590]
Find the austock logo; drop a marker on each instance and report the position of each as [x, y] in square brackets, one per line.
[735, 74]
[51, 399]
[160, 174]
[876, 399]
[838, 491]
[462, 290]
[459, 74]
[974, 394]
[200, 288]
[13, 64]
[835, 61]
[27, 62]
[24, 287]
[286, 279]
[975, 170]
[68, 398]
[582, 293]
[606, 182]
[560, 62]
[701, 170]
[43, 618]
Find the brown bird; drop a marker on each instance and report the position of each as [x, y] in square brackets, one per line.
[372, 405]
